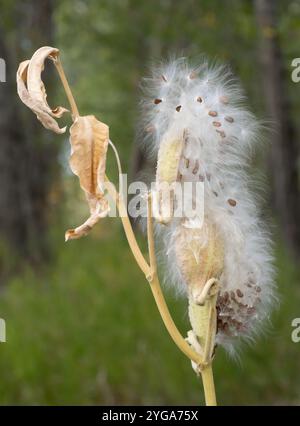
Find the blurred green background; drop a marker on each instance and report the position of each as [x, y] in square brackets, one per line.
[82, 326]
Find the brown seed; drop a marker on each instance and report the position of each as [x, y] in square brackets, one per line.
[239, 293]
[229, 119]
[231, 202]
[199, 99]
[215, 193]
[226, 296]
[232, 295]
[224, 100]
[217, 123]
[178, 108]
[196, 168]
[213, 113]
[221, 133]
[157, 101]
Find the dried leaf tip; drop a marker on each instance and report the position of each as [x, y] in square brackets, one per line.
[32, 92]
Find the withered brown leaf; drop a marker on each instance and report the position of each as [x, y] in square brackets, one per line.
[89, 141]
[32, 91]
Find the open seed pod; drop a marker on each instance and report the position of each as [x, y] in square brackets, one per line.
[199, 255]
[166, 174]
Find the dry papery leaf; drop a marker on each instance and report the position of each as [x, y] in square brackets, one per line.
[32, 91]
[89, 141]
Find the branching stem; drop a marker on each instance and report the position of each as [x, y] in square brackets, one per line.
[150, 271]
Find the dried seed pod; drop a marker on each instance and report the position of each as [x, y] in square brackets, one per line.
[166, 173]
[199, 255]
[222, 159]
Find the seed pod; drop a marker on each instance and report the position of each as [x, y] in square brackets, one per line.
[167, 171]
[199, 255]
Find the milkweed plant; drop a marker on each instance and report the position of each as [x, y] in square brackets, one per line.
[218, 251]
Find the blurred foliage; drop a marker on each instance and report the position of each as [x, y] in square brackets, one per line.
[85, 329]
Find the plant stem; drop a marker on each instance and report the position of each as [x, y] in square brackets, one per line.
[209, 386]
[62, 75]
[149, 271]
[151, 274]
[159, 297]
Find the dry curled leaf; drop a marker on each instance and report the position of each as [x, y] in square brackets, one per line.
[89, 142]
[32, 91]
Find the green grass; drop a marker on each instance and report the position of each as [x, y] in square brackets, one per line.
[86, 331]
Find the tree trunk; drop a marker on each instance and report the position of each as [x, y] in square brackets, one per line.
[284, 149]
[27, 155]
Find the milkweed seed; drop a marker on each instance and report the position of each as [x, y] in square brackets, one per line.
[229, 119]
[232, 295]
[196, 168]
[217, 123]
[164, 78]
[157, 101]
[231, 202]
[221, 133]
[213, 113]
[178, 108]
[199, 99]
[239, 293]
